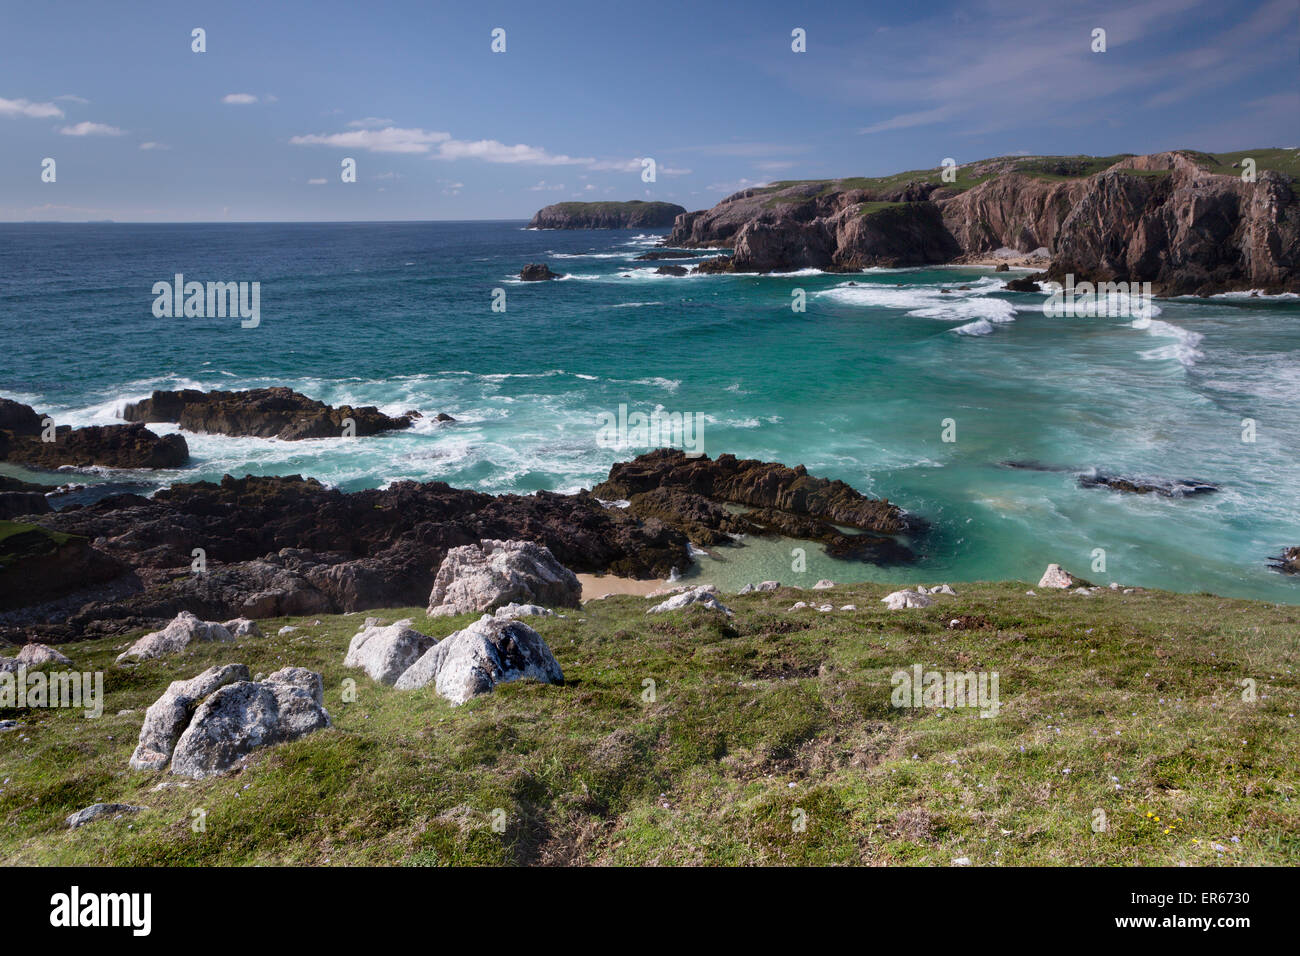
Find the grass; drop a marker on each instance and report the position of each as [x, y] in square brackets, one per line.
[757, 722]
[1049, 168]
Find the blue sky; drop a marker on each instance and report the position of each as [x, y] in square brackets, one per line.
[144, 129]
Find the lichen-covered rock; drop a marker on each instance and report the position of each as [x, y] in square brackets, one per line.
[903, 599]
[512, 611]
[386, 652]
[242, 627]
[244, 716]
[487, 575]
[760, 587]
[1057, 577]
[701, 597]
[36, 655]
[168, 716]
[98, 810]
[474, 660]
[182, 631]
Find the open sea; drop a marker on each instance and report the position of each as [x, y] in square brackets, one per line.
[858, 387]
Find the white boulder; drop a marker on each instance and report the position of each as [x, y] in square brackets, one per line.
[902, 599]
[168, 716]
[1057, 577]
[703, 596]
[386, 652]
[183, 630]
[474, 660]
[487, 575]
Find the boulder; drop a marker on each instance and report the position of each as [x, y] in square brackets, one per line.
[903, 599]
[182, 631]
[170, 714]
[1288, 562]
[474, 660]
[761, 586]
[385, 653]
[671, 271]
[244, 716]
[537, 271]
[512, 611]
[823, 584]
[1057, 577]
[487, 575]
[242, 627]
[98, 810]
[35, 655]
[701, 596]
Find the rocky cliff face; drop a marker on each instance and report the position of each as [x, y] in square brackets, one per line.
[607, 215]
[1174, 219]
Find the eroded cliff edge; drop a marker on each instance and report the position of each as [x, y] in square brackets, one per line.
[1185, 221]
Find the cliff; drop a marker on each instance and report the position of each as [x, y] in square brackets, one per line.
[607, 215]
[1182, 220]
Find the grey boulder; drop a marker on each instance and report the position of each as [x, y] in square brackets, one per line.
[474, 660]
[385, 653]
[180, 632]
[492, 573]
[168, 716]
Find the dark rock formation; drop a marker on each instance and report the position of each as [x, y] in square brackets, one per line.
[635, 214]
[1023, 284]
[259, 413]
[671, 271]
[107, 446]
[1288, 562]
[1173, 219]
[1165, 487]
[537, 271]
[289, 546]
[655, 255]
[37, 564]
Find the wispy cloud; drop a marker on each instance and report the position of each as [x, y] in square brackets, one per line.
[389, 140]
[29, 110]
[86, 128]
[239, 99]
[153, 145]
[443, 146]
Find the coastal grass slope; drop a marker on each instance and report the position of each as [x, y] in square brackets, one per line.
[1129, 704]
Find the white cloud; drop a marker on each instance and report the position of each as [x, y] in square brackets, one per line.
[73, 99]
[544, 187]
[388, 140]
[737, 186]
[492, 151]
[316, 182]
[240, 99]
[29, 110]
[86, 128]
[153, 145]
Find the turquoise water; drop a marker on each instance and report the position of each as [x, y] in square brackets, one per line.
[857, 387]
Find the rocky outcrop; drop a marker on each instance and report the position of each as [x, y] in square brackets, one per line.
[1057, 577]
[244, 716]
[474, 660]
[291, 547]
[98, 811]
[688, 493]
[260, 413]
[635, 214]
[38, 655]
[705, 597]
[38, 564]
[1288, 562]
[22, 435]
[385, 653]
[1180, 220]
[179, 634]
[487, 575]
[538, 272]
[1164, 487]
[168, 716]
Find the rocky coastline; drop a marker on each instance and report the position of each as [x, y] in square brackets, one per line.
[1186, 222]
[259, 547]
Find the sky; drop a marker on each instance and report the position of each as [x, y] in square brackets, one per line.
[256, 128]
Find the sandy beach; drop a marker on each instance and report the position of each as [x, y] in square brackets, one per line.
[601, 585]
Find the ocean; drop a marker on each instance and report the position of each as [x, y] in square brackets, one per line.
[864, 386]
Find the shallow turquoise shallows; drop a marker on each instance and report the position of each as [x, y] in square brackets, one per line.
[857, 387]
